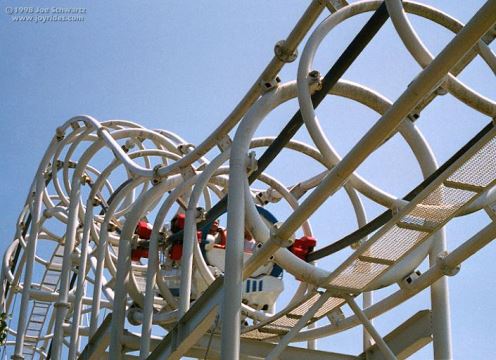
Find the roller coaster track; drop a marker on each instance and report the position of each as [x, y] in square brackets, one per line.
[129, 215]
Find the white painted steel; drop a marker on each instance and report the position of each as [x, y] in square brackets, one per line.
[90, 218]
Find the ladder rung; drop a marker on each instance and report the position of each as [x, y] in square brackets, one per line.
[464, 186]
[55, 267]
[375, 260]
[416, 227]
[50, 277]
[297, 317]
[273, 330]
[38, 313]
[41, 305]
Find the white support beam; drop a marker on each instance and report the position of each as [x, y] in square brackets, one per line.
[192, 326]
[250, 350]
[99, 342]
[406, 339]
[386, 351]
[254, 349]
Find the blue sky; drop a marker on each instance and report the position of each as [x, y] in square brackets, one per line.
[183, 66]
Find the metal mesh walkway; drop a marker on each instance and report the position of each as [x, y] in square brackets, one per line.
[458, 185]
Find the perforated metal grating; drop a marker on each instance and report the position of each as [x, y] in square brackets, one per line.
[358, 274]
[328, 306]
[394, 243]
[257, 335]
[433, 207]
[440, 205]
[331, 304]
[287, 318]
[480, 169]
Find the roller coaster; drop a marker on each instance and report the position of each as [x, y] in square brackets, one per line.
[135, 243]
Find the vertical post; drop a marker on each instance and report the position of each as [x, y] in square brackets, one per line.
[441, 320]
[368, 299]
[311, 344]
[120, 297]
[62, 305]
[81, 285]
[231, 304]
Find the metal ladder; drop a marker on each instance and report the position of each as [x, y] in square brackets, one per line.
[40, 309]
